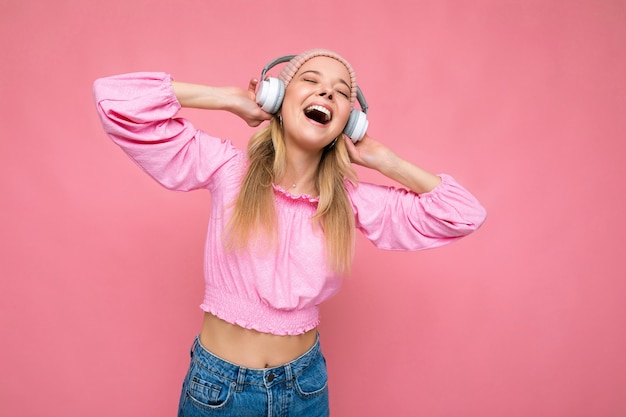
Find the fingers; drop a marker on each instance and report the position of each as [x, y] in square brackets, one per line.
[252, 85]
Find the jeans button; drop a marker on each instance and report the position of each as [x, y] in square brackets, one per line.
[270, 377]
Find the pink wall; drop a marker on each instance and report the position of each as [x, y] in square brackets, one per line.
[522, 101]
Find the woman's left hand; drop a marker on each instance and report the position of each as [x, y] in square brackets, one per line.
[369, 153]
[372, 154]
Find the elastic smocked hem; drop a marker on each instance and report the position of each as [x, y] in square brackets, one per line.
[301, 197]
[254, 315]
[446, 180]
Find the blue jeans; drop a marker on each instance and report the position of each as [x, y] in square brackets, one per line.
[215, 387]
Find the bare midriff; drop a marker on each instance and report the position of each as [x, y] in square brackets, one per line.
[250, 348]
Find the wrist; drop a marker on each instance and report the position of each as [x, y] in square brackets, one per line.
[388, 163]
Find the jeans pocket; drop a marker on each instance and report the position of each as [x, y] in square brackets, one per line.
[208, 391]
[313, 381]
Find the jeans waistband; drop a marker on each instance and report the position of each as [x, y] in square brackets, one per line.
[267, 376]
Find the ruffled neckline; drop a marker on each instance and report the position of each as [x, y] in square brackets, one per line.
[301, 197]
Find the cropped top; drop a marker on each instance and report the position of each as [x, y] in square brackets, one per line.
[275, 290]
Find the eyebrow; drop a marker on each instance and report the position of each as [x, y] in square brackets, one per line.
[341, 80]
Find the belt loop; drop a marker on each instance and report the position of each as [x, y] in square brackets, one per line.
[288, 376]
[193, 346]
[241, 378]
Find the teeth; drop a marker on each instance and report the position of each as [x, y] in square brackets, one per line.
[320, 109]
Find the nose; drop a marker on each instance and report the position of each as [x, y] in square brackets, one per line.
[327, 93]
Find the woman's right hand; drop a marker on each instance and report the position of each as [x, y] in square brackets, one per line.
[245, 105]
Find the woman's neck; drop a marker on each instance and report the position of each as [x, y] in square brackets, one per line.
[300, 173]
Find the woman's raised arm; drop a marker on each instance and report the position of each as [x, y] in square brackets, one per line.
[233, 99]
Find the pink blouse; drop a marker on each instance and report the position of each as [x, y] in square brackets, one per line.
[270, 289]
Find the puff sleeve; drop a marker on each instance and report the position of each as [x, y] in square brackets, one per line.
[138, 112]
[398, 219]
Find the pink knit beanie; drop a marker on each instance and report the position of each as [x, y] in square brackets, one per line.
[294, 65]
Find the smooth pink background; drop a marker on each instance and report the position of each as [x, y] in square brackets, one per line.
[524, 102]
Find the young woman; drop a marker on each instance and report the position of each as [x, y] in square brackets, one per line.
[282, 225]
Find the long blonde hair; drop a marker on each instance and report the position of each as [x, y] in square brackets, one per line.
[254, 212]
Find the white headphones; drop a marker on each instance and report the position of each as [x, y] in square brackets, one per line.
[272, 91]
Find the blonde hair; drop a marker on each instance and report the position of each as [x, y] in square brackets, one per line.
[254, 214]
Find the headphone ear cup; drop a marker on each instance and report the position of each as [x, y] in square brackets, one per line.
[357, 125]
[270, 95]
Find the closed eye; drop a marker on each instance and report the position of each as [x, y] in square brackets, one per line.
[306, 78]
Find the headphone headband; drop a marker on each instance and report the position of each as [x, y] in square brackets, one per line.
[279, 60]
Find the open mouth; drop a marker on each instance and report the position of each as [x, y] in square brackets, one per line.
[318, 113]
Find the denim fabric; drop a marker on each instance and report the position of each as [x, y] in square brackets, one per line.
[215, 387]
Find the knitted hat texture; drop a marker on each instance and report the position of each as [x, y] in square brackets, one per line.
[292, 67]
